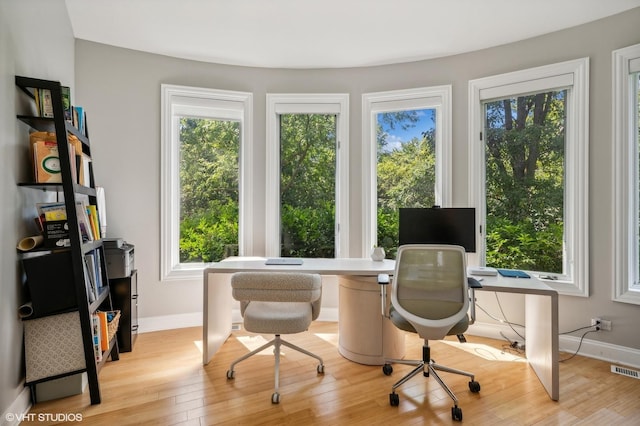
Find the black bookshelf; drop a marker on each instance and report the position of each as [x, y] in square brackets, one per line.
[75, 273]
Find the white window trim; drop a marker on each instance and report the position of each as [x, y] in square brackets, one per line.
[436, 97]
[625, 201]
[178, 101]
[297, 103]
[577, 155]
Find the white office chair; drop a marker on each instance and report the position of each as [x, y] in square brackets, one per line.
[429, 296]
[277, 303]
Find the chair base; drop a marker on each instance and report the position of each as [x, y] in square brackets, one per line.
[276, 343]
[429, 368]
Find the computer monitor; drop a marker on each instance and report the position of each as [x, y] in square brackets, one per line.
[456, 226]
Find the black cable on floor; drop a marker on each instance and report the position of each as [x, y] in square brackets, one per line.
[579, 345]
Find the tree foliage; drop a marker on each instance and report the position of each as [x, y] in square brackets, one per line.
[405, 174]
[307, 185]
[525, 181]
[208, 188]
[524, 139]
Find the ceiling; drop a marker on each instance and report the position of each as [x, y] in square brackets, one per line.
[324, 33]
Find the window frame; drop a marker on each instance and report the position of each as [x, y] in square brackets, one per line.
[179, 101]
[626, 282]
[435, 97]
[573, 75]
[301, 103]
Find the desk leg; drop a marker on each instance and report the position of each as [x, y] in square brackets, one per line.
[216, 321]
[541, 319]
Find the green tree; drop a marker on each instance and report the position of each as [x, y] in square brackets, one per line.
[208, 188]
[406, 174]
[524, 139]
[307, 185]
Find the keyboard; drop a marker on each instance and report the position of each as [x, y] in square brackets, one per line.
[283, 261]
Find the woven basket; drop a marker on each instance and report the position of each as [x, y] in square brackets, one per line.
[112, 326]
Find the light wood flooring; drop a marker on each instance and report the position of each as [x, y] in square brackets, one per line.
[163, 382]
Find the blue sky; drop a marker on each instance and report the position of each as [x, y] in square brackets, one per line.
[398, 135]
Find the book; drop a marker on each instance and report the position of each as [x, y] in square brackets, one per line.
[52, 211]
[53, 217]
[88, 281]
[84, 170]
[99, 283]
[92, 211]
[66, 102]
[46, 162]
[104, 331]
[513, 273]
[46, 103]
[95, 321]
[36, 97]
[90, 261]
[83, 222]
[78, 116]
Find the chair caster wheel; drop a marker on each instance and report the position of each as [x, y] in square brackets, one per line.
[456, 414]
[387, 369]
[275, 398]
[394, 399]
[320, 369]
[230, 374]
[474, 386]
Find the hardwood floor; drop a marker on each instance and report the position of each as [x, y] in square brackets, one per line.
[163, 382]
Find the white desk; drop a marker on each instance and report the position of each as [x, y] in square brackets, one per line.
[541, 321]
[357, 285]
[364, 335]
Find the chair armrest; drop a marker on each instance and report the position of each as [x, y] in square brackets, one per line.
[473, 283]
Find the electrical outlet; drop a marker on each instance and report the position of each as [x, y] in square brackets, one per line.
[605, 325]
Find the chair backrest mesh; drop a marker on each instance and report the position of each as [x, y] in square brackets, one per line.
[431, 281]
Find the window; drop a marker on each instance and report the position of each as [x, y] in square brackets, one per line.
[307, 175]
[529, 172]
[626, 138]
[407, 158]
[203, 133]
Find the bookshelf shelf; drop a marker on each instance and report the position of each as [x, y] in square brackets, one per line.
[65, 270]
[57, 187]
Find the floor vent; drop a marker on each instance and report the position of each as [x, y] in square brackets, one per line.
[625, 371]
[236, 327]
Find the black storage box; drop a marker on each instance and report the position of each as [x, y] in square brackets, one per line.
[50, 282]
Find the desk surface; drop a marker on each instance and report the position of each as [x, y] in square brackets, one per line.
[364, 266]
[514, 285]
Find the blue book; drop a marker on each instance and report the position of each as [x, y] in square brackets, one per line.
[513, 273]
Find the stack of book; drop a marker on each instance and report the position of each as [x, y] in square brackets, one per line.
[52, 221]
[46, 159]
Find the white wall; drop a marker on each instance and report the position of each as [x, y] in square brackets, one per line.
[121, 92]
[45, 53]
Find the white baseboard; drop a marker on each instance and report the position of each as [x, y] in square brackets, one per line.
[600, 350]
[590, 348]
[168, 322]
[328, 314]
[194, 319]
[18, 409]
